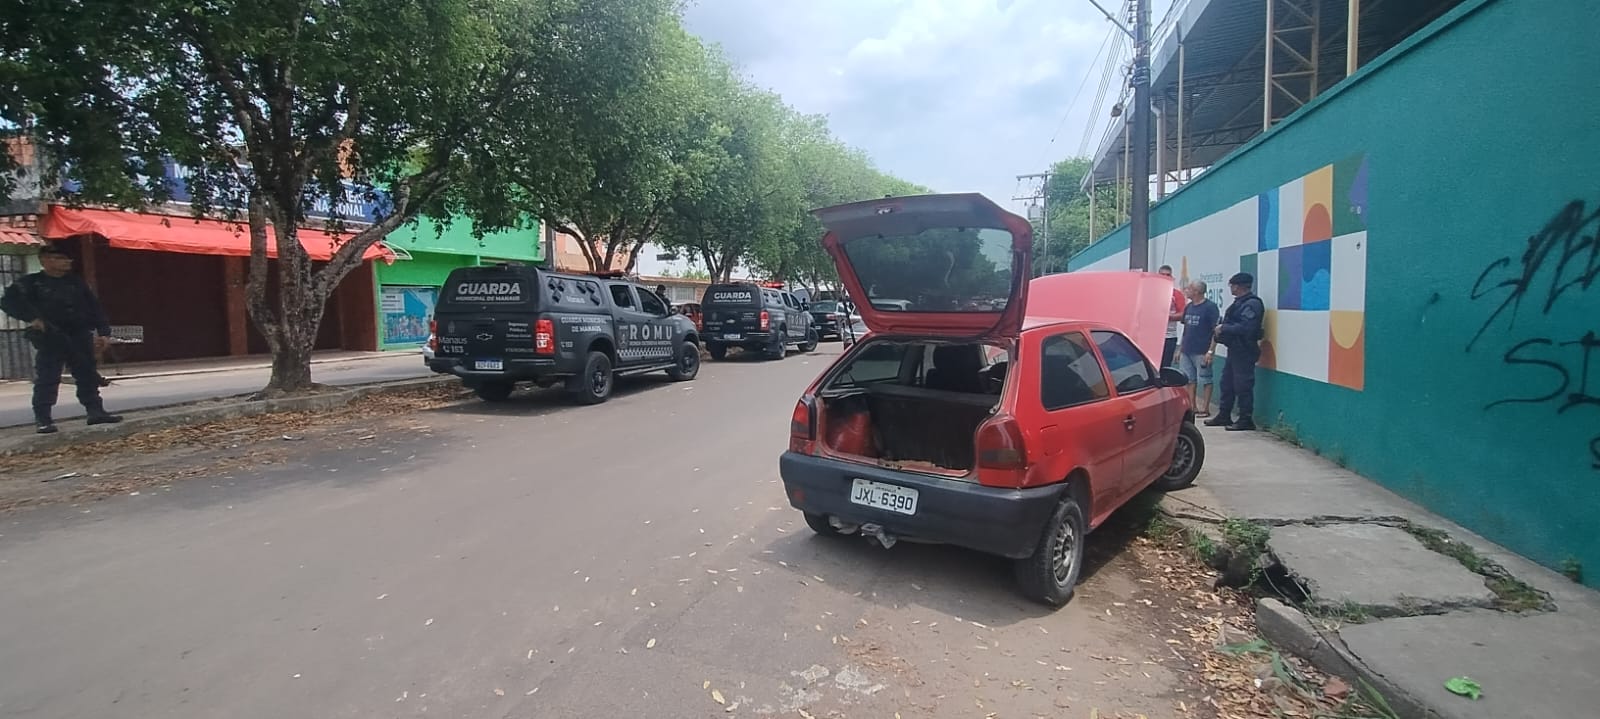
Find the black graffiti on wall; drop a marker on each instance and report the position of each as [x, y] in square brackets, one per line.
[1561, 261]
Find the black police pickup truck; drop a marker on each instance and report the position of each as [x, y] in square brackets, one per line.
[499, 325]
[756, 317]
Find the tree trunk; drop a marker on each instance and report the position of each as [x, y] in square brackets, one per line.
[299, 316]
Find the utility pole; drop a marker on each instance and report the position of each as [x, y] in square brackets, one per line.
[1138, 133]
[1043, 196]
[1139, 127]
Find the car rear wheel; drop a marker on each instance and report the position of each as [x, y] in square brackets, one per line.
[494, 391]
[593, 385]
[811, 341]
[687, 363]
[1187, 458]
[819, 524]
[718, 350]
[1051, 574]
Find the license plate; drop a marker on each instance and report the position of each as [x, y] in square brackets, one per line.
[884, 496]
[495, 365]
[733, 337]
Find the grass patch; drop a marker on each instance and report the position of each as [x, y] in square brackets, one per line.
[1572, 569]
[1511, 594]
[1247, 537]
[1345, 612]
[1287, 433]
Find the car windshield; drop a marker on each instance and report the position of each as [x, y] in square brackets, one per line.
[825, 306]
[940, 269]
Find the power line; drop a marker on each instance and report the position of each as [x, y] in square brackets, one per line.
[1087, 72]
[1113, 61]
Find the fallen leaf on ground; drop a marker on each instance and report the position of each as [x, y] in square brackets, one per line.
[1465, 686]
[650, 644]
[499, 692]
[716, 696]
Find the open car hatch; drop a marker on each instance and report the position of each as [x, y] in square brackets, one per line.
[932, 265]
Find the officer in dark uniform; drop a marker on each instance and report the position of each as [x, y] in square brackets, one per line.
[1241, 331]
[66, 326]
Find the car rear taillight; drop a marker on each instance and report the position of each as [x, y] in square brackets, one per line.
[803, 426]
[1001, 454]
[766, 320]
[433, 335]
[544, 337]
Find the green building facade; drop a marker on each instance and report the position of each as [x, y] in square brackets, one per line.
[408, 289]
[1426, 237]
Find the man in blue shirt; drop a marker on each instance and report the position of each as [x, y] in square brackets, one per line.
[1241, 331]
[1200, 318]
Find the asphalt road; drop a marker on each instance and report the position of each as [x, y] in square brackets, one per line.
[145, 392]
[633, 559]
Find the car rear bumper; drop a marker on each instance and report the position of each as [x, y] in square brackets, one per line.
[745, 338]
[512, 371]
[1004, 522]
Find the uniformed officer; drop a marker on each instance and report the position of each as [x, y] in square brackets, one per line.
[66, 326]
[1241, 331]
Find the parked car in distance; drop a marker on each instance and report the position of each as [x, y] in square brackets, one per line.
[832, 318]
[757, 317]
[500, 325]
[1014, 426]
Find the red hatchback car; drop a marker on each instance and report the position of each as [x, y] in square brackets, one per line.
[974, 414]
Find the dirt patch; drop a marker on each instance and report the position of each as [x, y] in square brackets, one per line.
[125, 464]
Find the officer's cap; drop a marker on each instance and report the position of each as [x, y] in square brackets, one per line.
[1243, 279]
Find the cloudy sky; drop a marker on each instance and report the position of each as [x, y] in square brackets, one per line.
[958, 95]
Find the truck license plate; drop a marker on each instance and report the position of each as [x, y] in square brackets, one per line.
[731, 336]
[884, 496]
[495, 365]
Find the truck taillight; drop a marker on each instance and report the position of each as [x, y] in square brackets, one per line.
[766, 320]
[1001, 451]
[544, 337]
[803, 425]
[433, 335]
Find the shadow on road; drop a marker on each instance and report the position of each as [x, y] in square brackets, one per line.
[535, 401]
[952, 580]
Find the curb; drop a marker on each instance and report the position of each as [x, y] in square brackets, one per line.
[386, 354]
[1288, 628]
[183, 415]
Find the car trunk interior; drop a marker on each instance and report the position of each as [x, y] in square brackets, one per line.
[913, 406]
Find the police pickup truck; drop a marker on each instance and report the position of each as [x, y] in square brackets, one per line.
[499, 325]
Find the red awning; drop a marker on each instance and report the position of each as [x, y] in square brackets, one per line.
[189, 235]
[19, 237]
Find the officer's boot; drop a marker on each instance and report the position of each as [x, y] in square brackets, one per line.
[42, 423]
[98, 414]
[1245, 424]
[1222, 419]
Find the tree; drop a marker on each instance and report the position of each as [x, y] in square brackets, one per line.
[1069, 216]
[274, 103]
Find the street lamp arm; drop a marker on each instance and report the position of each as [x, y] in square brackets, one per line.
[1113, 19]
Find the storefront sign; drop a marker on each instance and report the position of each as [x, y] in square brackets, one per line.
[406, 311]
[358, 206]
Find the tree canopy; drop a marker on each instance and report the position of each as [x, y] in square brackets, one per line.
[1070, 215]
[604, 118]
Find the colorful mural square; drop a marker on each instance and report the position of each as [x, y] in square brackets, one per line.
[1267, 221]
[1304, 276]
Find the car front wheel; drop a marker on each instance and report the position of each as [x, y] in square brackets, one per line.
[1051, 574]
[1187, 457]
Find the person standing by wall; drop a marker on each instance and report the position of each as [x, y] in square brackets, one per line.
[67, 328]
[1200, 319]
[1241, 331]
[1174, 320]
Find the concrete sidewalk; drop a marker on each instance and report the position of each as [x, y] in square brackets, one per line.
[1386, 592]
[169, 384]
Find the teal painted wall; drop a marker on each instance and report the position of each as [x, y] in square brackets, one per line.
[1481, 390]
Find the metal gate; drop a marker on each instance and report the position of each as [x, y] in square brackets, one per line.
[16, 354]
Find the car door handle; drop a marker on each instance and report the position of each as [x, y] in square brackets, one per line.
[1128, 423]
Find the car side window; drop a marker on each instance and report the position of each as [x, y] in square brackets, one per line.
[1130, 371]
[651, 303]
[1069, 373]
[622, 295]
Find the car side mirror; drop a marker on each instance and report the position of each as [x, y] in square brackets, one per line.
[1172, 377]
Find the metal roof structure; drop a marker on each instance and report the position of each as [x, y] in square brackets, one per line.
[1215, 54]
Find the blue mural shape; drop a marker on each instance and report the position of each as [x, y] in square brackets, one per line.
[1305, 275]
[1267, 221]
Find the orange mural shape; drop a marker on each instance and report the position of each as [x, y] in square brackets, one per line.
[1269, 356]
[1347, 349]
[1317, 223]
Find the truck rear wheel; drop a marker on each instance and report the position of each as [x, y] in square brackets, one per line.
[718, 350]
[593, 385]
[495, 391]
[778, 349]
